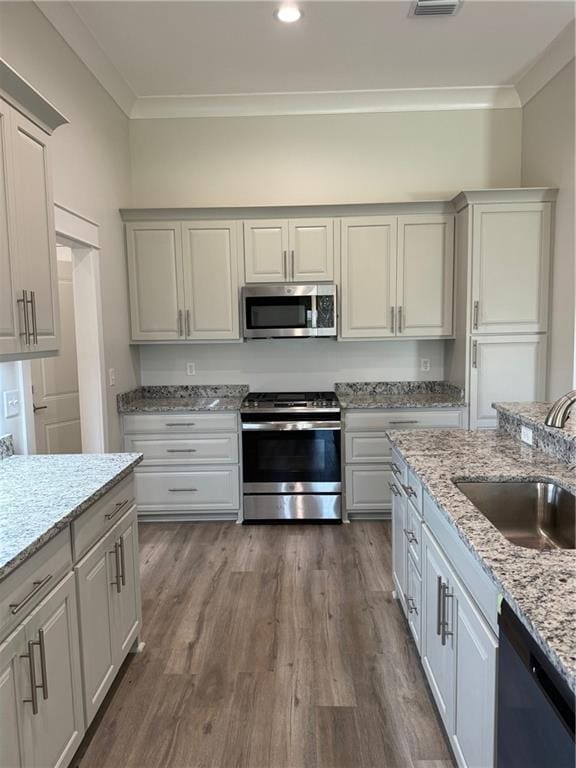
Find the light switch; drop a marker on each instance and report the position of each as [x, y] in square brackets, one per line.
[11, 404]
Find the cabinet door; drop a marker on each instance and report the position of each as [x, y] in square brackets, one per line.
[35, 232]
[9, 339]
[11, 697]
[399, 545]
[510, 266]
[51, 736]
[126, 604]
[473, 735]
[368, 277]
[425, 275]
[311, 244]
[367, 487]
[266, 251]
[211, 280]
[437, 659]
[155, 274]
[505, 368]
[94, 577]
[414, 600]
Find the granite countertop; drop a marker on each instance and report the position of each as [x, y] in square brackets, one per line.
[400, 394]
[165, 399]
[41, 495]
[539, 586]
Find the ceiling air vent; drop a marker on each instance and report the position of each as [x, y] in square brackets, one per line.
[434, 7]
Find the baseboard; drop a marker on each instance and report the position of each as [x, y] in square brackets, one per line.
[369, 514]
[188, 517]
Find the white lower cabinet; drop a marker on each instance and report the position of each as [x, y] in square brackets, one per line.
[11, 653]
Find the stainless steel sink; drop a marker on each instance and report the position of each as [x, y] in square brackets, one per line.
[529, 514]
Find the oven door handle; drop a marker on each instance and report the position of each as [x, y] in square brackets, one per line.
[290, 426]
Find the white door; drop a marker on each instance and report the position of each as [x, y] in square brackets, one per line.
[266, 246]
[94, 580]
[9, 330]
[51, 736]
[35, 232]
[437, 658]
[425, 275]
[155, 275]
[126, 602]
[368, 284]
[510, 265]
[473, 735]
[311, 244]
[56, 399]
[211, 280]
[399, 545]
[503, 369]
[11, 695]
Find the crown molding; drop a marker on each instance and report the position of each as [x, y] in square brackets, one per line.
[552, 60]
[326, 102]
[26, 99]
[70, 26]
[504, 195]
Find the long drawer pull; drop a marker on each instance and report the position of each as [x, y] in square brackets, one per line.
[180, 423]
[122, 561]
[33, 684]
[182, 490]
[405, 421]
[42, 646]
[117, 508]
[181, 450]
[439, 603]
[118, 567]
[17, 607]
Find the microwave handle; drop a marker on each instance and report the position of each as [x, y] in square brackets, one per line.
[314, 304]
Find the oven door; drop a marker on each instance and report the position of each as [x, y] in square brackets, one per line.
[277, 312]
[287, 457]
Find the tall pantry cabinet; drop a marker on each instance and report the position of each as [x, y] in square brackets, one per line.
[502, 284]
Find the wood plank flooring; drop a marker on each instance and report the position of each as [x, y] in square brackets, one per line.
[272, 646]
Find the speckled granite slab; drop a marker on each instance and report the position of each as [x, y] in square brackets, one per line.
[6, 447]
[400, 394]
[40, 495]
[539, 586]
[159, 399]
[560, 443]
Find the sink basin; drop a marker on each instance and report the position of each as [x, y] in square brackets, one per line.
[529, 514]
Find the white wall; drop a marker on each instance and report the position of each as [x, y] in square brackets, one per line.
[548, 160]
[10, 379]
[91, 164]
[291, 364]
[322, 158]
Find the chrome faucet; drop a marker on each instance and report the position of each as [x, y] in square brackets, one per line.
[558, 414]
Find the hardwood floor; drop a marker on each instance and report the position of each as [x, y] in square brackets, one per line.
[268, 647]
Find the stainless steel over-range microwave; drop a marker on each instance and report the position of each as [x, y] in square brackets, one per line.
[278, 311]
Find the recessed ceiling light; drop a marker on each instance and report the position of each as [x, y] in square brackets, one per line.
[288, 13]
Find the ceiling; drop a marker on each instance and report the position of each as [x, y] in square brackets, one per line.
[198, 49]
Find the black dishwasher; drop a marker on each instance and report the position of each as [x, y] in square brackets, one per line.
[535, 704]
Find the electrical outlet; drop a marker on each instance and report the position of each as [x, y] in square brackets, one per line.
[112, 377]
[191, 369]
[11, 404]
[526, 435]
[424, 364]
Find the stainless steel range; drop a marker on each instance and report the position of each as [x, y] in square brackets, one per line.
[291, 456]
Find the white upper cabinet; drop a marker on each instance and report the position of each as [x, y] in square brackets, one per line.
[211, 285]
[156, 286]
[184, 280]
[510, 267]
[289, 250]
[266, 251]
[368, 283]
[9, 340]
[425, 275]
[504, 368]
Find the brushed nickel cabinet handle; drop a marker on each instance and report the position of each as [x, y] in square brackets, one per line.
[33, 684]
[409, 491]
[183, 490]
[410, 536]
[446, 595]
[395, 469]
[180, 423]
[118, 566]
[39, 407]
[122, 562]
[188, 322]
[42, 647]
[38, 585]
[179, 322]
[117, 508]
[285, 264]
[292, 263]
[475, 315]
[400, 320]
[24, 302]
[412, 607]
[180, 450]
[474, 354]
[439, 605]
[394, 490]
[34, 323]
[392, 319]
[405, 421]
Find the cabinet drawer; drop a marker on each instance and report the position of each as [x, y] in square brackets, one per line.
[101, 516]
[413, 489]
[174, 423]
[25, 587]
[370, 420]
[218, 449]
[368, 487]
[413, 533]
[362, 448]
[207, 488]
